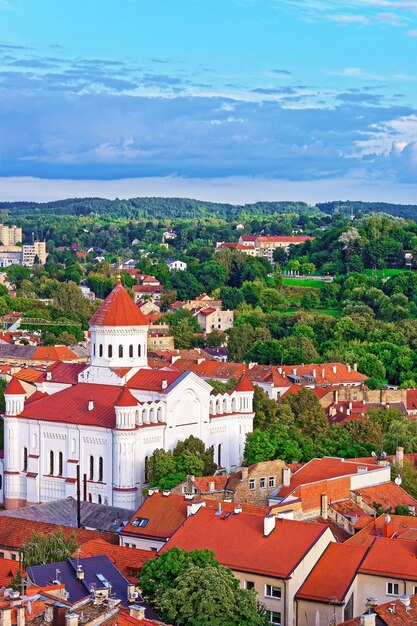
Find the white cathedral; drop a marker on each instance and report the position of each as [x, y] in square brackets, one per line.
[110, 415]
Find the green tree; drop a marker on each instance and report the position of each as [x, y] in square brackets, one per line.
[231, 297]
[308, 413]
[160, 574]
[196, 447]
[210, 595]
[41, 549]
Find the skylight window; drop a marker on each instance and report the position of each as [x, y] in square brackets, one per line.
[140, 522]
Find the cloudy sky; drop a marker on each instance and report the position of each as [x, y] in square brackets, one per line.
[235, 100]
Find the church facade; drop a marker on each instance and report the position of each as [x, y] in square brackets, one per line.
[109, 416]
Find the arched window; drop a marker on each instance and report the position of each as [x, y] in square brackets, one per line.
[25, 459]
[120, 351]
[146, 469]
[139, 350]
[131, 351]
[110, 351]
[91, 468]
[219, 455]
[94, 349]
[51, 462]
[1, 482]
[99, 499]
[100, 350]
[100, 469]
[60, 464]
[90, 497]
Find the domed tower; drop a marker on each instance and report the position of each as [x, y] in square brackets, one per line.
[119, 332]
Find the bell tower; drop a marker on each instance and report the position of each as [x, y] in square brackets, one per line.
[119, 332]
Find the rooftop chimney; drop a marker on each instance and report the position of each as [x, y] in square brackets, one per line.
[369, 619]
[166, 492]
[244, 473]
[6, 617]
[286, 476]
[269, 524]
[48, 376]
[405, 600]
[90, 405]
[294, 371]
[137, 612]
[237, 509]
[211, 486]
[71, 619]
[388, 527]
[399, 457]
[194, 506]
[164, 384]
[334, 369]
[349, 369]
[20, 619]
[80, 572]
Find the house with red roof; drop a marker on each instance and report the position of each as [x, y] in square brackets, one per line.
[269, 554]
[311, 490]
[109, 415]
[383, 568]
[162, 514]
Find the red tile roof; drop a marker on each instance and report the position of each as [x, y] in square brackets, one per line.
[151, 380]
[238, 541]
[388, 495]
[147, 288]
[15, 531]
[328, 580]
[54, 353]
[38, 395]
[71, 405]
[244, 384]
[118, 309]
[8, 570]
[284, 239]
[167, 513]
[323, 469]
[401, 525]
[392, 558]
[63, 373]
[15, 388]
[412, 399]
[219, 482]
[127, 560]
[126, 399]
[29, 374]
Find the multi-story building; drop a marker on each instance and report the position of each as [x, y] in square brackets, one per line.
[109, 416]
[23, 255]
[271, 555]
[34, 253]
[10, 235]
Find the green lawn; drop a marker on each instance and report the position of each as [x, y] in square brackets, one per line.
[331, 312]
[303, 282]
[384, 273]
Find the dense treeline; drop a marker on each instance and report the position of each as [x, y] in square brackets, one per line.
[159, 208]
[407, 211]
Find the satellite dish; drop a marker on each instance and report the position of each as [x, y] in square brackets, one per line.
[373, 454]
[398, 480]
[384, 455]
[387, 519]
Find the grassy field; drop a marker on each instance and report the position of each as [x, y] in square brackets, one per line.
[331, 312]
[303, 282]
[384, 273]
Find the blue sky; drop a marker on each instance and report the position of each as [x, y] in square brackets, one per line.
[221, 99]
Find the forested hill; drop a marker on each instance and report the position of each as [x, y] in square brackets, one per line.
[407, 211]
[169, 208]
[148, 208]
